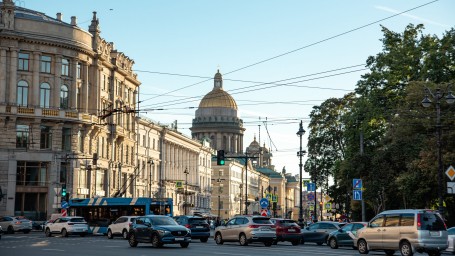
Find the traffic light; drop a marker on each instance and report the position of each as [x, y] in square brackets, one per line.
[220, 157]
[95, 158]
[64, 190]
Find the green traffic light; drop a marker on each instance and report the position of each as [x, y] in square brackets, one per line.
[221, 162]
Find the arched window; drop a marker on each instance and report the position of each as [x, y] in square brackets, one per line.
[64, 97]
[45, 92]
[22, 93]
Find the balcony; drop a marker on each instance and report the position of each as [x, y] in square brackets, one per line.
[42, 112]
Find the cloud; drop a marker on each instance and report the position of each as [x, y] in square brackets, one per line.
[411, 16]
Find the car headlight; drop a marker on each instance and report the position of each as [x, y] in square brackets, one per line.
[189, 230]
[164, 232]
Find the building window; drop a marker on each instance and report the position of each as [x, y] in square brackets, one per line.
[23, 61]
[127, 154]
[22, 135]
[45, 65]
[100, 176]
[45, 137]
[64, 167]
[78, 71]
[64, 97]
[65, 67]
[80, 140]
[45, 94]
[119, 88]
[22, 93]
[31, 173]
[83, 178]
[66, 139]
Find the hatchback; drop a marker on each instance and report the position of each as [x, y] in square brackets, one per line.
[319, 232]
[408, 231]
[200, 228]
[287, 230]
[120, 227]
[451, 240]
[158, 230]
[66, 226]
[246, 229]
[15, 224]
[345, 236]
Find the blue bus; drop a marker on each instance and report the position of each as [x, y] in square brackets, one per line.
[101, 211]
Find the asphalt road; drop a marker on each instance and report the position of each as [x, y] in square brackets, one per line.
[37, 244]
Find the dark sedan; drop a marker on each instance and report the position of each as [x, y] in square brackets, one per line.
[345, 236]
[158, 230]
[319, 232]
[199, 227]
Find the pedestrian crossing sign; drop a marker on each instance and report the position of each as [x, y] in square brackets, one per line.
[179, 184]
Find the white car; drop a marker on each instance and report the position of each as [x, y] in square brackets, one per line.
[451, 240]
[120, 227]
[67, 226]
[15, 224]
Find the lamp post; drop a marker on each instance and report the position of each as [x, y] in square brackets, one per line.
[300, 154]
[186, 172]
[220, 190]
[426, 102]
[151, 163]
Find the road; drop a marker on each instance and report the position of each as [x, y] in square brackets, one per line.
[37, 244]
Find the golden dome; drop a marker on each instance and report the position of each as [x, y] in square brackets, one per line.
[218, 98]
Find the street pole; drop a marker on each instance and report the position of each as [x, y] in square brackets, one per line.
[186, 172]
[300, 154]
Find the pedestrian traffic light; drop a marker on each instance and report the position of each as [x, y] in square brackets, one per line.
[220, 157]
[64, 190]
[95, 158]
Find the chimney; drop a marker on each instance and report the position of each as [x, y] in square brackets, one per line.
[73, 20]
[59, 16]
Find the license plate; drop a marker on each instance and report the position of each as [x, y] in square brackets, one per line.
[434, 233]
[199, 227]
[179, 239]
[291, 230]
[265, 229]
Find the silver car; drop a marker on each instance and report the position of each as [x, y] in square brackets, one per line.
[15, 224]
[246, 229]
[408, 231]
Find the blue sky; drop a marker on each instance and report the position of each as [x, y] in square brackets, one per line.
[250, 41]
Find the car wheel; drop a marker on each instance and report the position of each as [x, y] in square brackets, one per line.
[10, 230]
[204, 240]
[125, 234]
[406, 249]
[132, 240]
[218, 238]
[156, 241]
[333, 243]
[268, 244]
[109, 234]
[242, 240]
[184, 245]
[362, 246]
[64, 233]
[295, 242]
[389, 252]
[48, 232]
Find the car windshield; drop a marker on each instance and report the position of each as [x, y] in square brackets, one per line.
[261, 221]
[197, 221]
[432, 222]
[78, 220]
[163, 221]
[451, 231]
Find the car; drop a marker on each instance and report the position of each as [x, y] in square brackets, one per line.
[73, 225]
[345, 235]
[15, 224]
[1, 231]
[287, 230]
[158, 230]
[451, 240]
[246, 229]
[120, 227]
[318, 232]
[408, 231]
[200, 228]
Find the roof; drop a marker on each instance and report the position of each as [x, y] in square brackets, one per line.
[269, 172]
[218, 98]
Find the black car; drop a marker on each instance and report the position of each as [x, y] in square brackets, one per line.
[345, 236]
[200, 228]
[158, 230]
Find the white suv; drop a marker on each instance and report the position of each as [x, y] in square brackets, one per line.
[120, 227]
[67, 226]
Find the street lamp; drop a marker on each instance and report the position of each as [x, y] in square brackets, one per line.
[300, 154]
[151, 163]
[426, 102]
[186, 172]
[220, 190]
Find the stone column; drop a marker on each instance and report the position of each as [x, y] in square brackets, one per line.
[57, 82]
[3, 75]
[84, 88]
[35, 86]
[73, 89]
[13, 77]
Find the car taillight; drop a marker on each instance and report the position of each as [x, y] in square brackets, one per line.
[187, 226]
[419, 223]
[254, 226]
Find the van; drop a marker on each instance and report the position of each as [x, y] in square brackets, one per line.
[408, 231]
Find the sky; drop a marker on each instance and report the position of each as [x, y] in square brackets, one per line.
[278, 58]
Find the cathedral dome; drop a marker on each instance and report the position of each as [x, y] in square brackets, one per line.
[218, 98]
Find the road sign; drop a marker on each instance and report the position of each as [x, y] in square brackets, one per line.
[179, 184]
[264, 212]
[64, 204]
[450, 172]
[357, 194]
[328, 206]
[450, 187]
[264, 202]
[64, 213]
[310, 202]
[357, 184]
[310, 196]
[311, 187]
[274, 198]
[268, 196]
[305, 182]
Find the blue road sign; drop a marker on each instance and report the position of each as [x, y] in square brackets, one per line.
[310, 197]
[357, 194]
[311, 187]
[357, 184]
[264, 202]
[64, 204]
